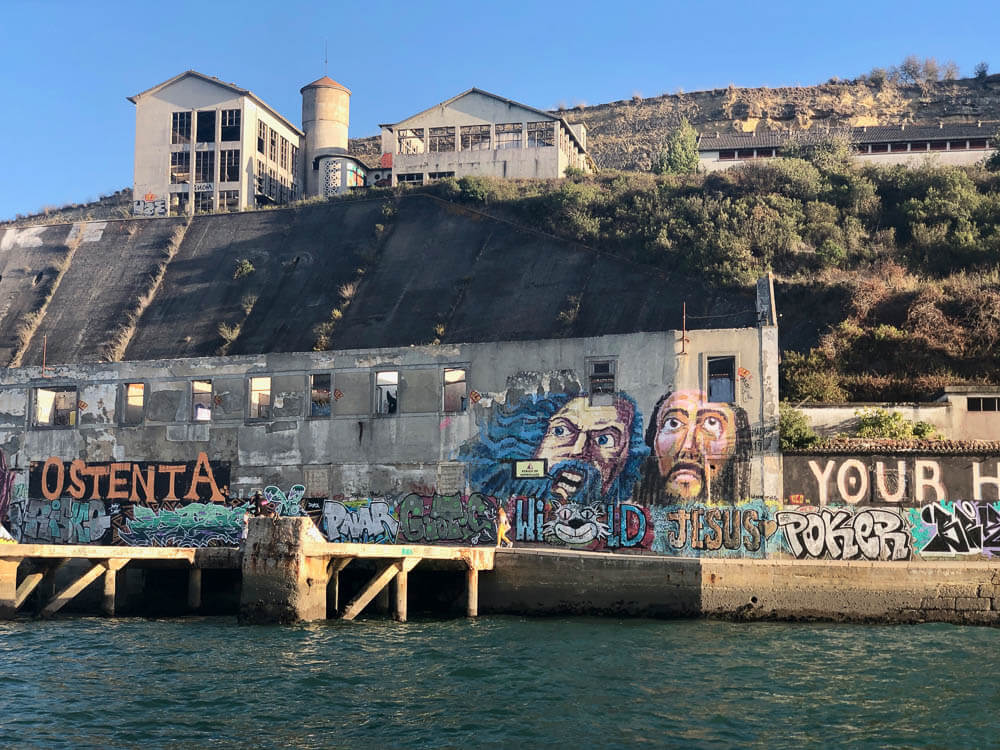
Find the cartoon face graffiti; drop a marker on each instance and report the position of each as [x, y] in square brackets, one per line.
[579, 433]
[592, 452]
[574, 523]
[702, 448]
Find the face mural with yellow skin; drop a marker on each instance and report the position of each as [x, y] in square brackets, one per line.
[595, 435]
[694, 441]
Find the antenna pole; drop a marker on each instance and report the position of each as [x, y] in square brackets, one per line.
[326, 57]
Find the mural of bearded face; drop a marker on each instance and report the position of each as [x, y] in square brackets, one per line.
[695, 441]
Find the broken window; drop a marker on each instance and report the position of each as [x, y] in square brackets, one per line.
[541, 134]
[415, 178]
[260, 398]
[475, 137]
[508, 135]
[722, 379]
[441, 139]
[206, 126]
[273, 150]
[319, 389]
[386, 392]
[431, 176]
[602, 379]
[230, 124]
[178, 204]
[204, 166]
[411, 141]
[201, 400]
[55, 406]
[455, 394]
[229, 165]
[284, 153]
[229, 200]
[133, 401]
[180, 127]
[203, 203]
[261, 136]
[180, 167]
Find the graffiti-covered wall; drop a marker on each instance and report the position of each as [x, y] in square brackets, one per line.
[656, 443]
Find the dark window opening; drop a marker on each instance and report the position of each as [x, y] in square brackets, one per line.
[431, 176]
[204, 166]
[727, 155]
[958, 145]
[206, 126]
[261, 137]
[230, 124]
[319, 389]
[229, 165]
[976, 403]
[180, 127]
[180, 167]
[977, 143]
[134, 399]
[416, 178]
[722, 379]
[55, 406]
[455, 394]
[386, 392]
[203, 203]
[602, 382]
[880, 148]
[229, 200]
[744, 153]
[919, 146]
[938, 145]
[898, 148]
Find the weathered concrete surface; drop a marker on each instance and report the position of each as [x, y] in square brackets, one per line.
[281, 583]
[531, 581]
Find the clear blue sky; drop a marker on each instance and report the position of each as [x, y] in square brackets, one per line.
[67, 66]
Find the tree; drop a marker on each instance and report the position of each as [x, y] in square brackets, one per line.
[910, 69]
[679, 154]
[794, 430]
[993, 162]
[982, 70]
[950, 72]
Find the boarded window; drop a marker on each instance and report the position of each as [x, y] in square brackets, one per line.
[319, 390]
[55, 406]
[180, 127]
[455, 394]
[206, 126]
[508, 135]
[260, 398]
[387, 392]
[722, 379]
[201, 400]
[411, 141]
[180, 167]
[442, 139]
[134, 401]
[475, 137]
[541, 134]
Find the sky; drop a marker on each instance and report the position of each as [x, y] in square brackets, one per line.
[67, 66]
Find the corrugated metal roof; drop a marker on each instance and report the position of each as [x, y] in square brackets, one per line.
[870, 134]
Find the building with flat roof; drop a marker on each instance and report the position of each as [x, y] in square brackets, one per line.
[952, 143]
[479, 133]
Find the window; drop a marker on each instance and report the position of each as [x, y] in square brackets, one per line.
[416, 178]
[958, 145]
[977, 143]
[722, 379]
[508, 135]
[180, 127]
[230, 124]
[133, 401]
[229, 200]
[411, 141]
[206, 126]
[386, 392]
[744, 153]
[880, 148]
[919, 146]
[441, 139]
[319, 390]
[727, 155]
[201, 400]
[273, 150]
[602, 380]
[260, 398]
[476, 138]
[284, 153]
[976, 403]
[295, 157]
[55, 406]
[180, 167]
[355, 176]
[455, 394]
[203, 202]
[899, 147]
[204, 166]
[860, 148]
[261, 136]
[229, 165]
[431, 176]
[178, 204]
[938, 145]
[541, 134]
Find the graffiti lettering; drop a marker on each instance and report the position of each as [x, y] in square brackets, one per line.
[961, 527]
[360, 521]
[152, 206]
[873, 534]
[448, 519]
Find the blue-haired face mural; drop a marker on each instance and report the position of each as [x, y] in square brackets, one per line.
[593, 453]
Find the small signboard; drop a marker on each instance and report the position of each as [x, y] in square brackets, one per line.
[533, 469]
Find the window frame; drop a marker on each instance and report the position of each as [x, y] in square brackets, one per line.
[194, 402]
[605, 395]
[198, 128]
[734, 359]
[464, 399]
[505, 131]
[310, 388]
[391, 410]
[180, 127]
[73, 414]
[123, 419]
[251, 390]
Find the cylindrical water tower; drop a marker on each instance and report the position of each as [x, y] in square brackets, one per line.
[326, 108]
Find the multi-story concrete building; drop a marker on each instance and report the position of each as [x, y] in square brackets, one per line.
[953, 143]
[205, 145]
[479, 133]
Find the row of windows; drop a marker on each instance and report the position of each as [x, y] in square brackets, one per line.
[869, 148]
[272, 187]
[204, 166]
[276, 147]
[475, 137]
[205, 121]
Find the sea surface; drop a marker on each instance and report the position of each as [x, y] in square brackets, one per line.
[495, 682]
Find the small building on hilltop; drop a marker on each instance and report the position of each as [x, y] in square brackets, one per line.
[479, 133]
[951, 143]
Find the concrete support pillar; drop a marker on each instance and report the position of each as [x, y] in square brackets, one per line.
[110, 591]
[8, 587]
[281, 584]
[194, 589]
[472, 604]
[401, 586]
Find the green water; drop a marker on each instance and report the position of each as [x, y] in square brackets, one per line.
[495, 682]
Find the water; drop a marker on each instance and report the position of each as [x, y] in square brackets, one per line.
[494, 682]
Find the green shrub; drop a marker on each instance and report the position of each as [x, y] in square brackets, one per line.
[243, 268]
[794, 429]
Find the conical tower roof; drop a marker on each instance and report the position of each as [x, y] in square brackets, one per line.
[325, 83]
